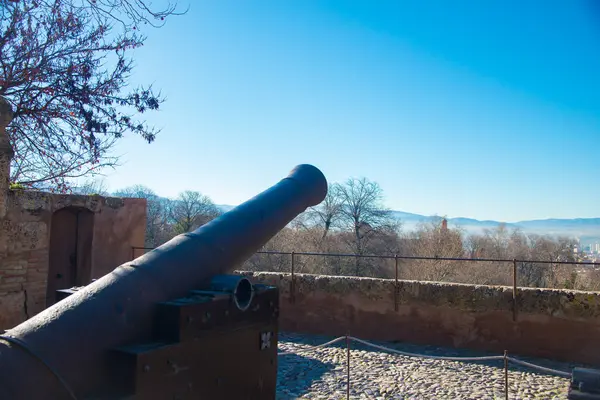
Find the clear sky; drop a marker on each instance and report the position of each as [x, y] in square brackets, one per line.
[482, 109]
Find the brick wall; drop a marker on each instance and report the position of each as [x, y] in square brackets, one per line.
[25, 244]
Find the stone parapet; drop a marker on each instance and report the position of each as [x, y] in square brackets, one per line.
[557, 324]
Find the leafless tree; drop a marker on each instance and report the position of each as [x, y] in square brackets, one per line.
[327, 214]
[544, 248]
[65, 72]
[91, 187]
[191, 210]
[434, 240]
[362, 212]
[130, 14]
[475, 245]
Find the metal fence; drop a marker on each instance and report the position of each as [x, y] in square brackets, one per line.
[292, 257]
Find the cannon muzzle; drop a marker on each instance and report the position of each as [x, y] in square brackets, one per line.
[61, 353]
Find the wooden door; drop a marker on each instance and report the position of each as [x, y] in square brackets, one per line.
[70, 250]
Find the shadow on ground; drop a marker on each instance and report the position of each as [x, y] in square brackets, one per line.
[296, 373]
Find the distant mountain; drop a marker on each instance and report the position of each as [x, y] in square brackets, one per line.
[587, 230]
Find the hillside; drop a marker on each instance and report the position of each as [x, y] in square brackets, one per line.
[587, 230]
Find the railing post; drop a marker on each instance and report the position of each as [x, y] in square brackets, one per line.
[293, 282]
[514, 293]
[132, 253]
[505, 374]
[347, 367]
[396, 283]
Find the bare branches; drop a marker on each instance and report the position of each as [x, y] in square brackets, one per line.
[329, 212]
[362, 205]
[191, 210]
[129, 14]
[167, 218]
[92, 187]
[362, 212]
[64, 73]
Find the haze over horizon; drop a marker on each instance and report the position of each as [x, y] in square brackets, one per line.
[462, 109]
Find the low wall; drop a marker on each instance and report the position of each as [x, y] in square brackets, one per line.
[30, 236]
[556, 324]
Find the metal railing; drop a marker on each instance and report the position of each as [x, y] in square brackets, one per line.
[397, 258]
[514, 262]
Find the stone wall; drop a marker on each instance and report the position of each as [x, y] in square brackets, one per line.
[27, 245]
[558, 324]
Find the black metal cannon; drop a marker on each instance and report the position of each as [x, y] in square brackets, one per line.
[145, 331]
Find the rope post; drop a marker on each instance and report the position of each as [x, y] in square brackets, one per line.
[293, 282]
[347, 367]
[514, 293]
[396, 283]
[505, 374]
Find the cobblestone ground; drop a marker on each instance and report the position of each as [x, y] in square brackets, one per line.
[321, 374]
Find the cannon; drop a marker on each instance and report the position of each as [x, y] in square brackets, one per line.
[171, 324]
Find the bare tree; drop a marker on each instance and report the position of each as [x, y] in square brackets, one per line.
[498, 241]
[475, 245]
[191, 210]
[130, 14]
[327, 214]
[361, 208]
[66, 73]
[434, 240]
[362, 212]
[92, 187]
[544, 248]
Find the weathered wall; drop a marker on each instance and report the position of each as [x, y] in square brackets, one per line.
[120, 225]
[25, 247]
[558, 324]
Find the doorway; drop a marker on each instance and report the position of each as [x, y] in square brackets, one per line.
[70, 264]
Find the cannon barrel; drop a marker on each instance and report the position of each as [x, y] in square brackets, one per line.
[61, 352]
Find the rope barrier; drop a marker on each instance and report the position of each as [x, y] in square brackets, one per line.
[562, 374]
[402, 353]
[313, 348]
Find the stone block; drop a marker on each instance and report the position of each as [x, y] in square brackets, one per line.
[14, 279]
[14, 272]
[36, 275]
[9, 288]
[25, 236]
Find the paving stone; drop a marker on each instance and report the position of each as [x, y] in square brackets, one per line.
[321, 374]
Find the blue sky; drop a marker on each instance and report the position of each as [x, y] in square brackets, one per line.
[478, 109]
